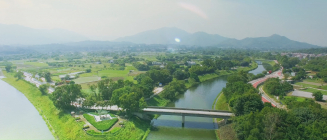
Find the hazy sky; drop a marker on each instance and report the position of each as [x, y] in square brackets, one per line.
[301, 20]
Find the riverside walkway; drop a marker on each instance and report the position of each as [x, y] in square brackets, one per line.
[264, 96]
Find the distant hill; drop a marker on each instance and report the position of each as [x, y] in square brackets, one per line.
[273, 42]
[20, 35]
[167, 35]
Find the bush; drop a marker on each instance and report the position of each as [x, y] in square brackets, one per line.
[318, 96]
[102, 125]
[88, 70]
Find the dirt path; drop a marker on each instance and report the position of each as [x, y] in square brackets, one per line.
[1, 74]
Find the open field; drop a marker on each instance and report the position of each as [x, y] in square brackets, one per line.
[314, 90]
[37, 64]
[311, 85]
[86, 79]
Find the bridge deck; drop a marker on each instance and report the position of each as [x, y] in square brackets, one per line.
[198, 113]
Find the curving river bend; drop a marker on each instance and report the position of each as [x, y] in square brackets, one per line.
[196, 128]
[20, 120]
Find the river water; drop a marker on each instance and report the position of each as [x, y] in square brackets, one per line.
[196, 128]
[20, 120]
[18, 117]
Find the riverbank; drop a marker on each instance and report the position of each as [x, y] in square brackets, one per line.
[61, 124]
[160, 101]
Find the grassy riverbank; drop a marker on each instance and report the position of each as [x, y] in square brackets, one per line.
[62, 125]
[160, 101]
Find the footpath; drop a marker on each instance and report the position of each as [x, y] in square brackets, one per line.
[1, 74]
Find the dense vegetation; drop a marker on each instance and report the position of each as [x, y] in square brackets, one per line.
[254, 120]
[276, 87]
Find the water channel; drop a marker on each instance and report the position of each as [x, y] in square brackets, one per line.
[18, 118]
[196, 128]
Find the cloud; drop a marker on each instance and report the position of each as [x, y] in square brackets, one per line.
[193, 9]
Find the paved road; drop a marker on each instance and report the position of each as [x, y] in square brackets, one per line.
[264, 96]
[305, 94]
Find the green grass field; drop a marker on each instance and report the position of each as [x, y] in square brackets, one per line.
[314, 90]
[310, 85]
[300, 99]
[86, 79]
[221, 104]
[101, 125]
[270, 62]
[37, 64]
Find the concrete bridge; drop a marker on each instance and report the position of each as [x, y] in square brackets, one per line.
[177, 111]
[188, 112]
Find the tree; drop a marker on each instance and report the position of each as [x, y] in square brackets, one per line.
[67, 77]
[47, 76]
[195, 77]
[88, 70]
[8, 68]
[132, 102]
[318, 95]
[247, 103]
[173, 89]
[64, 96]
[44, 89]
[19, 75]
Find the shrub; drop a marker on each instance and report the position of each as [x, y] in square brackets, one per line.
[318, 96]
[102, 125]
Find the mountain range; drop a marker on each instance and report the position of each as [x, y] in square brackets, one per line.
[20, 35]
[167, 35]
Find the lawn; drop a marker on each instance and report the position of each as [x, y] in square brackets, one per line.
[114, 73]
[37, 64]
[299, 99]
[86, 79]
[270, 62]
[102, 125]
[314, 90]
[310, 85]
[157, 101]
[221, 104]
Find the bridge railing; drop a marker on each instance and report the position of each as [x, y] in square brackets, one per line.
[175, 108]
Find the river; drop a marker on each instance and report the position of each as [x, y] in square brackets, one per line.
[196, 128]
[18, 118]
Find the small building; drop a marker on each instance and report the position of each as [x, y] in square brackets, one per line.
[37, 76]
[190, 63]
[111, 61]
[160, 84]
[157, 63]
[293, 73]
[162, 66]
